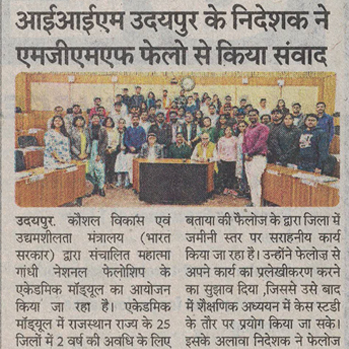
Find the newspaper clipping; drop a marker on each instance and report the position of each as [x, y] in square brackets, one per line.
[173, 174]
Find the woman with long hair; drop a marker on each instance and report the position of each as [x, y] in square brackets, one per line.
[121, 159]
[57, 145]
[110, 153]
[80, 144]
[281, 105]
[150, 100]
[227, 153]
[96, 167]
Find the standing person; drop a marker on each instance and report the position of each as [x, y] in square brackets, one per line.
[57, 145]
[191, 105]
[162, 130]
[189, 130]
[179, 150]
[243, 103]
[263, 107]
[68, 119]
[124, 108]
[325, 121]
[121, 158]
[150, 100]
[134, 139]
[117, 113]
[96, 169]
[199, 118]
[209, 129]
[196, 100]
[173, 108]
[151, 150]
[80, 144]
[255, 150]
[281, 105]
[58, 111]
[266, 120]
[240, 161]
[212, 114]
[126, 99]
[298, 117]
[144, 122]
[137, 99]
[227, 153]
[313, 146]
[110, 153]
[274, 129]
[181, 100]
[97, 101]
[166, 101]
[286, 143]
[175, 126]
[205, 108]
[216, 102]
[221, 125]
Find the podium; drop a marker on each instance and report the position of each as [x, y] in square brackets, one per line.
[173, 181]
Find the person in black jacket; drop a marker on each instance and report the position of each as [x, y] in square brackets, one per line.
[274, 129]
[313, 146]
[286, 144]
[162, 130]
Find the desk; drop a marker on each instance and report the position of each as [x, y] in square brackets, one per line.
[280, 188]
[173, 181]
[51, 188]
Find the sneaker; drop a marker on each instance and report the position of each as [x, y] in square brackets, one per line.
[101, 192]
[112, 186]
[250, 204]
[226, 191]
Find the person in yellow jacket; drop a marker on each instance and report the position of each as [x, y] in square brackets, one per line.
[205, 150]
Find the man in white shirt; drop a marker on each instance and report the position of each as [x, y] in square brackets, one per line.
[118, 113]
[144, 122]
[263, 107]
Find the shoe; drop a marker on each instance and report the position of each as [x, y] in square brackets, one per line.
[233, 192]
[118, 184]
[101, 192]
[95, 190]
[112, 186]
[226, 191]
[250, 204]
[128, 186]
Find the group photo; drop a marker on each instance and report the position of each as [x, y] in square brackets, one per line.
[225, 139]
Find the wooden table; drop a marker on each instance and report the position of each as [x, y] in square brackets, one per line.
[51, 188]
[282, 189]
[173, 181]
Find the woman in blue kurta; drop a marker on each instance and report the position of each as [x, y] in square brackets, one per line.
[57, 145]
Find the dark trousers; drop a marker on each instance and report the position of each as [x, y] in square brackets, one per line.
[226, 174]
[109, 167]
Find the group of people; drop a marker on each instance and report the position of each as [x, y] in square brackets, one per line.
[239, 139]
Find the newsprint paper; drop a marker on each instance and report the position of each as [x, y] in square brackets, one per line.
[173, 174]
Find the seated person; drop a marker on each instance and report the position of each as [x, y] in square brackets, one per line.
[179, 150]
[205, 150]
[151, 150]
[313, 146]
